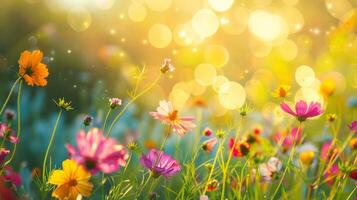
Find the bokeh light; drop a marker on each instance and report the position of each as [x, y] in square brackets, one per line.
[220, 5]
[160, 36]
[304, 76]
[288, 50]
[205, 22]
[205, 74]
[220, 84]
[137, 12]
[234, 98]
[158, 5]
[216, 55]
[79, 19]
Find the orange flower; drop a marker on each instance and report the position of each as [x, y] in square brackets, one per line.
[31, 69]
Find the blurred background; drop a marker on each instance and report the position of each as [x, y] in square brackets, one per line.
[226, 52]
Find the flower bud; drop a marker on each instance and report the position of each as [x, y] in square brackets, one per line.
[87, 120]
[307, 157]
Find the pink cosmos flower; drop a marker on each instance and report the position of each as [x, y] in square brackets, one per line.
[168, 115]
[267, 170]
[98, 153]
[331, 174]
[5, 191]
[302, 110]
[160, 163]
[208, 145]
[11, 176]
[287, 140]
[353, 126]
[207, 132]
[7, 133]
[328, 151]
[240, 149]
[114, 102]
[3, 154]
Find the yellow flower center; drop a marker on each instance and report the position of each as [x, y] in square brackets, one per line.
[29, 71]
[72, 183]
[173, 115]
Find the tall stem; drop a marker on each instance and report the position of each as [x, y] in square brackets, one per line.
[130, 102]
[49, 146]
[9, 95]
[18, 122]
[106, 119]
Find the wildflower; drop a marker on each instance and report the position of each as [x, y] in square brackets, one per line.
[328, 151]
[150, 144]
[11, 176]
[3, 153]
[167, 66]
[243, 111]
[132, 146]
[327, 87]
[87, 120]
[307, 157]
[252, 138]
[302, 110]
[282, 91]
[240, 149]
[353, 174]
[212, 185]
[6, 192]
[71, 181]
[204, 197]
[257, 131]
[208, 145]
[62, 104]
[269, 169]
[331, 117]
[8, 134]
[207, 132]
[286, 139]
[10, 115]
[331, 174]
[353, 143]
[199, 102]
[114, 103]
[159, 163]
[31, 69]
[168, 115]
[353, 126]
[97, 153]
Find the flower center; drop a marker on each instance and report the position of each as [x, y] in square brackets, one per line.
[72, 183]
[29, 71]
[173, 115]
[90, 164]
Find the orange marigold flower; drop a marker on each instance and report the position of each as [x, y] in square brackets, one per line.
[31, 69]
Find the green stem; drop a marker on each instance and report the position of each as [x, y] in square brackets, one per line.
[18, 122]
[9, 95]
[287, 165]
[130, 102]
[106, 119]
[49, 146]
[229, 158]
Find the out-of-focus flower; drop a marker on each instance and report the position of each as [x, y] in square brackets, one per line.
[302, 110]
[11, 176]
[212, 185]
[87, 120]
[328, 151]
[269, 169]
[331, 174]
[204, 197]
[167, 66]
[62, 104]
[7, 133]
[282, 91]
[98, 153]
[9, 115]
[199, 102]
[257, 131]
[353, 175]
[331, 117]
[71, 181]
[3, 153]
[243, 111]
[150, 144]
[132, 146]
[252, 138]
[208, 145]
[114, 103]
[207, 132]
[168, 115]
[240, 149]
[159, 163]
[307, 157]
[31, 69]
[5, 192]
[287, 139]
[220, 133]
[353, 126]
[327, 87]
[353, 143]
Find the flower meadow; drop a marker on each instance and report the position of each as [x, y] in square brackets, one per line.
[191, 119]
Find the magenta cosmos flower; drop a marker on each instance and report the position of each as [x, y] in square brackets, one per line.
[287, 139]
[160, 163]
[168, 115]
[302, 110]
[98, 153]
[7, 133]
[353, 126]
[3, 153]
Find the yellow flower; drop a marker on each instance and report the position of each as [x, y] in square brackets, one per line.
[31, 69]
[282, 91]
[327, 87]
[353, 143]
[72, 181]
[307, 157]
